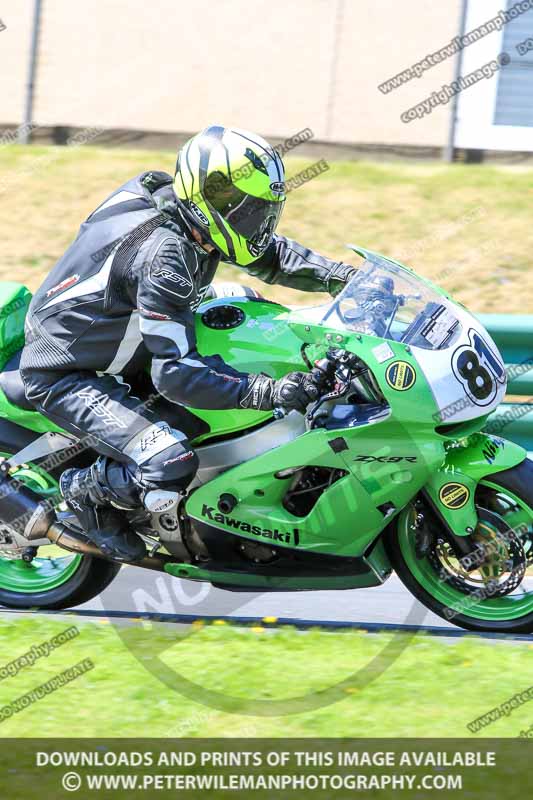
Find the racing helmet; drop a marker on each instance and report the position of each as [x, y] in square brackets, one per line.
[230, 185]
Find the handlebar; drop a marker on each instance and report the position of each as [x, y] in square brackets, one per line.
[335, 372]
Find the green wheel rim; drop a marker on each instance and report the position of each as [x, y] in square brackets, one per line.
[44, 573]
[509, 607]
[41, 575]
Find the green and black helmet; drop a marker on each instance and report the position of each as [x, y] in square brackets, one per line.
[230, 184]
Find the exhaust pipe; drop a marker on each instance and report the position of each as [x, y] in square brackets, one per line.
[60, 535]
[34, 518]
[23, 509]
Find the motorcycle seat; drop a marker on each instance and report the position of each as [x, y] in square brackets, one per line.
[12, 385]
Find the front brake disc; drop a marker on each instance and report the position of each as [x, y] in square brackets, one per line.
[500, 559]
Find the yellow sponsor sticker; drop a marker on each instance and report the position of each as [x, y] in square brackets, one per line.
[454, 495]
[400, 376]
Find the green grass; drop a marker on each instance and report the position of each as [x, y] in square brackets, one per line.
[431, 689]
[468, 228]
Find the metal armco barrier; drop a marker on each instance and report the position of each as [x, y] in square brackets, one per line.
[513, 334]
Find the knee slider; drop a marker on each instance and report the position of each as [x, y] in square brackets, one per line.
[166, 476]
[172, 469]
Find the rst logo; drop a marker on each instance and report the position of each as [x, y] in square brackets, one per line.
[169, 271]
[170, 275]
[386, 459]
[286, 537]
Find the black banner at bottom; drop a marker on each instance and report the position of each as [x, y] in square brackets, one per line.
[264, 768]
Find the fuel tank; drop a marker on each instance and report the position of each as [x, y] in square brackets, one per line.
[252, 336]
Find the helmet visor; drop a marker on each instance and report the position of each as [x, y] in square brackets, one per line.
[254, 218]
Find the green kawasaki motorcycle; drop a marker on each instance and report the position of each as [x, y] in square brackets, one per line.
[388, 470]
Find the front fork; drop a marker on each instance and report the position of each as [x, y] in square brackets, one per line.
[451, 490]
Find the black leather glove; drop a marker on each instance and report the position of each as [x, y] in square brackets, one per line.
[339, 277]
[294, 391]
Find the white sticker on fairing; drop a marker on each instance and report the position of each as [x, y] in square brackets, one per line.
[468, 379]
[383, 352]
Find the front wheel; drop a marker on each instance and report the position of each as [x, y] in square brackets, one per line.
[491, 590]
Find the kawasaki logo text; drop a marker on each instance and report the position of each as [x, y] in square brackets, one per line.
[223, 519]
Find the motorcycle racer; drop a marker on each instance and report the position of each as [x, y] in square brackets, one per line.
[123, 297]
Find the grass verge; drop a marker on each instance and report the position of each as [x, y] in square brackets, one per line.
[468, 228]
[433, 688]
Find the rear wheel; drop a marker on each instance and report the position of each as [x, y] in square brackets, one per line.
[492, 591]
[54, 579]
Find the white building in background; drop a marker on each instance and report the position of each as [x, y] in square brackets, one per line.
[273, 66]
[497, 114]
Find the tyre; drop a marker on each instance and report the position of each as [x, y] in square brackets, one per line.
[79, 579]
[492, 591]
[54, 579]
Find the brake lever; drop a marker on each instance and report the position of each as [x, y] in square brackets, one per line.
[340, 389]
[328, 370]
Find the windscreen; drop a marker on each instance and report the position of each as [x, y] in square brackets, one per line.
[390, 302]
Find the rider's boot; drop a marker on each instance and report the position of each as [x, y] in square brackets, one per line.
[89, 497]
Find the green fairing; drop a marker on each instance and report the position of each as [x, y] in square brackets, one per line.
[383, 463]
[467, 463]
[263, 343]
[270, 340]
[27, 419]
[329, 528]
[14, 302]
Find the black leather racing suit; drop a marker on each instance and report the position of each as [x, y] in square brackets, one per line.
[123, 295]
